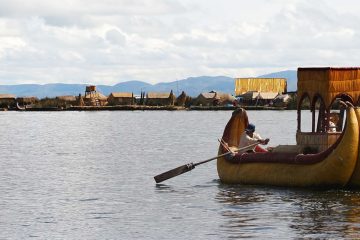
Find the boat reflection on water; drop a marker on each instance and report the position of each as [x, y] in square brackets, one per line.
[264, 212]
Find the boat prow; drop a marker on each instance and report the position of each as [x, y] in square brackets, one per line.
[355, 178]
[19, 108]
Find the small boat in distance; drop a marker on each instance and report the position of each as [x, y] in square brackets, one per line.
[20, 108]
[327, 156]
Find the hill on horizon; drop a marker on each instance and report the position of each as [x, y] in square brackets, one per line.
[192, 86]
[290, 75]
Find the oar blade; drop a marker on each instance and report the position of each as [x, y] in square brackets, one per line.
[174, 172]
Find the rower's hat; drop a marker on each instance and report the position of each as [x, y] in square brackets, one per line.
[250, 128]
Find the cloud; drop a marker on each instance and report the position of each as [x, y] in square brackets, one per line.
[162, 40]
[115, 37]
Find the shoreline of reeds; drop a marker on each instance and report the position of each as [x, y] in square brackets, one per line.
[147, 108]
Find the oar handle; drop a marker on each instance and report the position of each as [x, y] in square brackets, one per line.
[188, 167]
[224, 154]
[210, 159]
[246, 147]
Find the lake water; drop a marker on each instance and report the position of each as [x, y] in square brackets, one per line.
[89, 175]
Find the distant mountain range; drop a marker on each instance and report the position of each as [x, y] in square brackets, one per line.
[290, 75]
[193, 86]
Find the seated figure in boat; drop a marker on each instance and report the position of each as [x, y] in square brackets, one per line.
[333, 121]
[249, 137]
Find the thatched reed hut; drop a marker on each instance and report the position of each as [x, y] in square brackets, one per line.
[66, 101]
[214, 99]
[257, 98]
[95, 99]
[181, 99]
[226, 98]
[160, 99]
[7, 100]
[121, 98]
[281, 100]
[248, 97]
[26, 100]
[266, 98]
[207, 99]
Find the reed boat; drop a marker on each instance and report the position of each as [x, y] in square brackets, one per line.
[320, 158]
[20, 108]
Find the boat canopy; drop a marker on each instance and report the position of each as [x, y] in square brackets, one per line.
[323, 87]
[328, 84]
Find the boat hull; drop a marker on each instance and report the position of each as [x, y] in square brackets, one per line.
[331, 168]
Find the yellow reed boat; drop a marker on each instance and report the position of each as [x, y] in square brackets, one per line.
[321, 158]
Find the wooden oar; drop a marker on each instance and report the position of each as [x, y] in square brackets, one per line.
[190, 166]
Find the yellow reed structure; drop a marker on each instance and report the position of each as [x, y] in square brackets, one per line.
[243, 85]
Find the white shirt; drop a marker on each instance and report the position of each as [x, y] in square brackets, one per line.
[246, 140]
[332, 127]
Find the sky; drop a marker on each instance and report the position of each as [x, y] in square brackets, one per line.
[113, 41]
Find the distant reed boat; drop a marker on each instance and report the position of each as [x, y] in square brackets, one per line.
[326, 156]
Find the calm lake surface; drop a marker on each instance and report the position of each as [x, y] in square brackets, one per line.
[89, 175]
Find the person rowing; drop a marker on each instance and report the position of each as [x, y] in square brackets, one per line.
[249, 137]
[249, 142]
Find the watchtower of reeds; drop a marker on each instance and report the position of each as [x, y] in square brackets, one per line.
[90, 91]
[92, 96]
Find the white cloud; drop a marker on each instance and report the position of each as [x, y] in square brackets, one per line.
[116, 37]
[111, 41]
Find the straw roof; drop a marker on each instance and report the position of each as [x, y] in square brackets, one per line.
[121, 94]
[250, 95]
[27, 98]
[217, 95]
[97, 95]
[67, 98]
[243, 85]
[282, 97]
[208, 95]
[7, 96]
[157, 95]
[226, 97]
[267, 95]
[329, 83]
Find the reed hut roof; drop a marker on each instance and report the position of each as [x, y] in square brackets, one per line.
[157, 95]
[243, 85]
[7, 96]
[329, 83]
[250, 95]
[121, 94]
[282, 97]
[98, 95]
[267, 95]
[226, 97]
[90, 88]
[208, 95]
[27, 98]
[67, 98]
[217, 95]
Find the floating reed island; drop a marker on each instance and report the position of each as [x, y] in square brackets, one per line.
[93, 100]
[124, 108]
